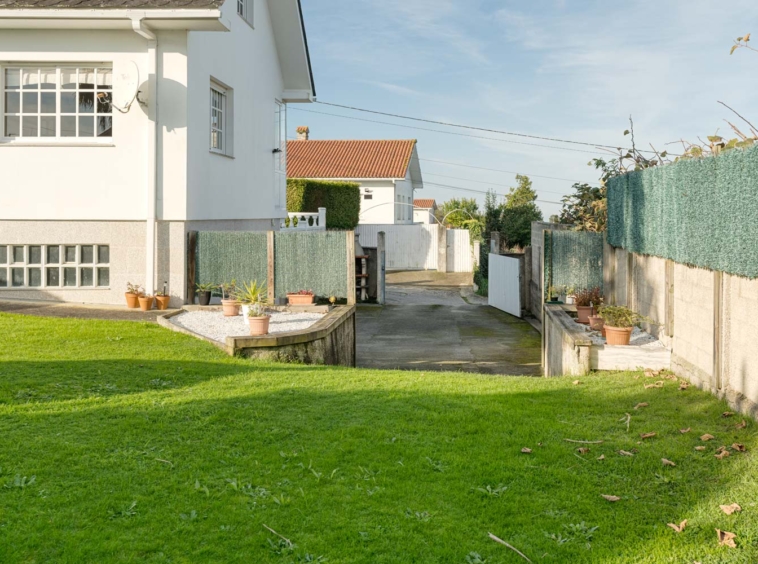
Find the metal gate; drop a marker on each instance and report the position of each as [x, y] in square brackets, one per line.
[505, 284]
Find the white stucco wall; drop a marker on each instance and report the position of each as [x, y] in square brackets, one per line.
[404, 190]
[380, 209]
[66, 181]
[423, 216]
[245, 60]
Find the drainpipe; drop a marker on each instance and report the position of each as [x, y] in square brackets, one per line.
[152, 150]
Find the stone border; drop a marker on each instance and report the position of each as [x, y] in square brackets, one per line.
[335, 317]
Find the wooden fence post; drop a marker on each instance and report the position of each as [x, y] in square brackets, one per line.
[381, 251]
[271, 278]
[191, 265]
[351, 279]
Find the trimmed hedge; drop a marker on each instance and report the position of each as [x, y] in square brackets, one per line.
[701, 212]
[342, 200]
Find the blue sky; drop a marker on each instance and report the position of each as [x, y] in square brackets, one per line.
[572, 69]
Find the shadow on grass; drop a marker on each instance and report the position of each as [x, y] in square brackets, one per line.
[361, 467]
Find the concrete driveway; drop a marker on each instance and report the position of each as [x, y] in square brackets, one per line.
[437, 328]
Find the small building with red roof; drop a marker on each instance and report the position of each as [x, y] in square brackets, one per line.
[387, 170]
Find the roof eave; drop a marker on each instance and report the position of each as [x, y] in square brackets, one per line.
[190, 19]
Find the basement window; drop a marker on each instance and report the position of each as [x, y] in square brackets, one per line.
[54, 266]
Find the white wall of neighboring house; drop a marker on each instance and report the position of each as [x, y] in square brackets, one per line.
[391, 201]
[425, 216]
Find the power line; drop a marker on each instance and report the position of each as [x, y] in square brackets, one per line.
[448, 186]
[489, 183]
[447, 132]
[553, 139]
[498, 170]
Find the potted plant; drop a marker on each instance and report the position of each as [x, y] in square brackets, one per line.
[258, 319]
[619, 323]
[133, 292]
[146, 302]
[586, 301]
[570, 295]
[204, 292]
[250, 294]
[553, 292]
[303, 297]
[597, 324]
[229, 300]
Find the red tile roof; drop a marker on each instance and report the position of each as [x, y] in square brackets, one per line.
[424, 203]
[349, 159]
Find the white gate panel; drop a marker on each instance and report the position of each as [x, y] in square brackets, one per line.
[505, 284]
[460, 252]
[409, 247]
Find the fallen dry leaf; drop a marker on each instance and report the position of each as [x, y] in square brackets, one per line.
[625, 453]
[684, 385]
[680, 527]
[583, 450]
[611, 498]
[576, 382]
[641, 405]
[722, 455]
[601, 457]
[701, 448]
[739, 447]
[687, 430]
[651, 373]
[526, 450]
[727, 414]
[644, 436]
[658, 384]
[707, 437]
[667, 462]
[731, 508]
[741, 425]
[670, 376]
[726, 538]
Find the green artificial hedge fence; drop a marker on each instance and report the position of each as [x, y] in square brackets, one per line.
[701, 212]
[573, 259]
[342, 200]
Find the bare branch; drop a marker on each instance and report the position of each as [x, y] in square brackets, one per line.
[738, 115]
[501, 541]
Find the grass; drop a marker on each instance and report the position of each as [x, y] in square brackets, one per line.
[123, 442]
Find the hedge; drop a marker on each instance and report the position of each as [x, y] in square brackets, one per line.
[342, 200]
[701, 212]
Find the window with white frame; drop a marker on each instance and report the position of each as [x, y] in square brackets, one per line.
[245, 9]
[54, 266]
[218, 118]
[57, 102]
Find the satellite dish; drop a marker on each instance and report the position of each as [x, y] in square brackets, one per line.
[125, 86]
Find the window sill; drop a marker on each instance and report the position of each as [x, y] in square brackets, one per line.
[221, 154]
[55, 143]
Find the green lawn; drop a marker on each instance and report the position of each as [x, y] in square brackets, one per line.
[124, 442]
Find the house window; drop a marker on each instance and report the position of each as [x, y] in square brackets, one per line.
[245, 10]
[57, 102]
[368, 196]
[54, 266]
[218, 119]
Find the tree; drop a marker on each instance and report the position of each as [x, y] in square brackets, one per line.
[586, 209]
[518, 213]
[462, 213]
[492, 219]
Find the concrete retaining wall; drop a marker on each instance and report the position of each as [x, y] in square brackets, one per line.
[565, 347]
[705, 318]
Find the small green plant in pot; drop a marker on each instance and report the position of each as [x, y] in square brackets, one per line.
[554, 293]
[619, 323]
[229, 300]
[586, 302]
[204, 292]
[254, 297]
[133, 292]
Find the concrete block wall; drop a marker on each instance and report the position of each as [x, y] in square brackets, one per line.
[710, 332]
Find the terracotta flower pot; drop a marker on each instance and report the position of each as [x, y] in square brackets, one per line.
[146, 303]
[300, 299]
[618, 335]
[583, 313]
[132, 300]
[231, 307]
[258, 325]
[596, 322]
[161, 302]
[204, 298]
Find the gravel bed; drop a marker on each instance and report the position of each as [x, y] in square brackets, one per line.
[639, 338]
[213, 324]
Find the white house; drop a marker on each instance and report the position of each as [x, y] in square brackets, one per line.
[423, 210]
[388, 171]
[126, 124]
